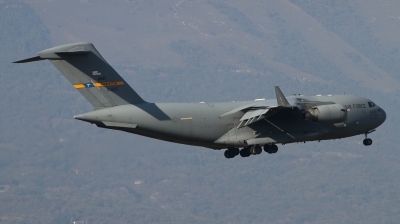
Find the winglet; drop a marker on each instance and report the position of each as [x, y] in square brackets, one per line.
[282, 101]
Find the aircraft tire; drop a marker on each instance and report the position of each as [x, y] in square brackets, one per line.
[252, 150]
[245, 152]
[367, 142]
[235, 151]
[267, 147]
[227, 154]
[273, 149]
[257, 149]
[231, 153]
[270, 149]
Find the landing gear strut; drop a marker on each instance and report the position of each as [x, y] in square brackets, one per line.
[270, 148]
[367, 141]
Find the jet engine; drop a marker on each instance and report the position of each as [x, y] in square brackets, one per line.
[332, 113]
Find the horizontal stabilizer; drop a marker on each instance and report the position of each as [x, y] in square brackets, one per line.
[55, 55]
[37, 58]
[71, 52]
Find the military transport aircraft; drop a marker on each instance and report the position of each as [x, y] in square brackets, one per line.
[247, 125]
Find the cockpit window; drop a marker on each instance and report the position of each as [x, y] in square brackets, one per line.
[371, 104]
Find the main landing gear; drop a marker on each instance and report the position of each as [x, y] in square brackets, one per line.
[250, 150]
[367, 141]
[231, 153]
[270, 148]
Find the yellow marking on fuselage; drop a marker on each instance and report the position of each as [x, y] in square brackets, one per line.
[186, 118]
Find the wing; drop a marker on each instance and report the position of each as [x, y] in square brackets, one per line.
[260, 110]
[252, 116]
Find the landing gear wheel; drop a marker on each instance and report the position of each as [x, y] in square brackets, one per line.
[271, 148]
[231, 153]
[227, 154]
[267, 147]
[245, 152]
[255, 149]
[367, 142]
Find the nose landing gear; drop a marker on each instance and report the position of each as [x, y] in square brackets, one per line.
[367, 141]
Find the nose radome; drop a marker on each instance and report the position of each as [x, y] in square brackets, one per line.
[383, 115]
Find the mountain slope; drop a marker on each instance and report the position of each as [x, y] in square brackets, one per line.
[55, 169]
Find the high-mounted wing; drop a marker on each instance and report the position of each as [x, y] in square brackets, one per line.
[260, 110]
[253, 116]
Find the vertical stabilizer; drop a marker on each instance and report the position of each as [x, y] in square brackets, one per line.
[90, 74]
[281, 99]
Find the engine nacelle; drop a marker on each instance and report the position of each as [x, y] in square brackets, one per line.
[332, 113]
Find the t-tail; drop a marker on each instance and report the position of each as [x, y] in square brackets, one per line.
[90, 74]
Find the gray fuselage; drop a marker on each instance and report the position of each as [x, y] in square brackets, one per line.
[201, 124]
[232, 125]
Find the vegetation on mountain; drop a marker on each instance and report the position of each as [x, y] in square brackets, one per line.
[54, 169]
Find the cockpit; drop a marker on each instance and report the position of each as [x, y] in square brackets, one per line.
[371, 104]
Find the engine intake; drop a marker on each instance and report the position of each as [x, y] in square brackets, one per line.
[332, 113]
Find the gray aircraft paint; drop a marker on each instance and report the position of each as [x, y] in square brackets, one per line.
[213, 125]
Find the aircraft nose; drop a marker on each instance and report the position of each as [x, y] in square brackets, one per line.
[382, 115]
